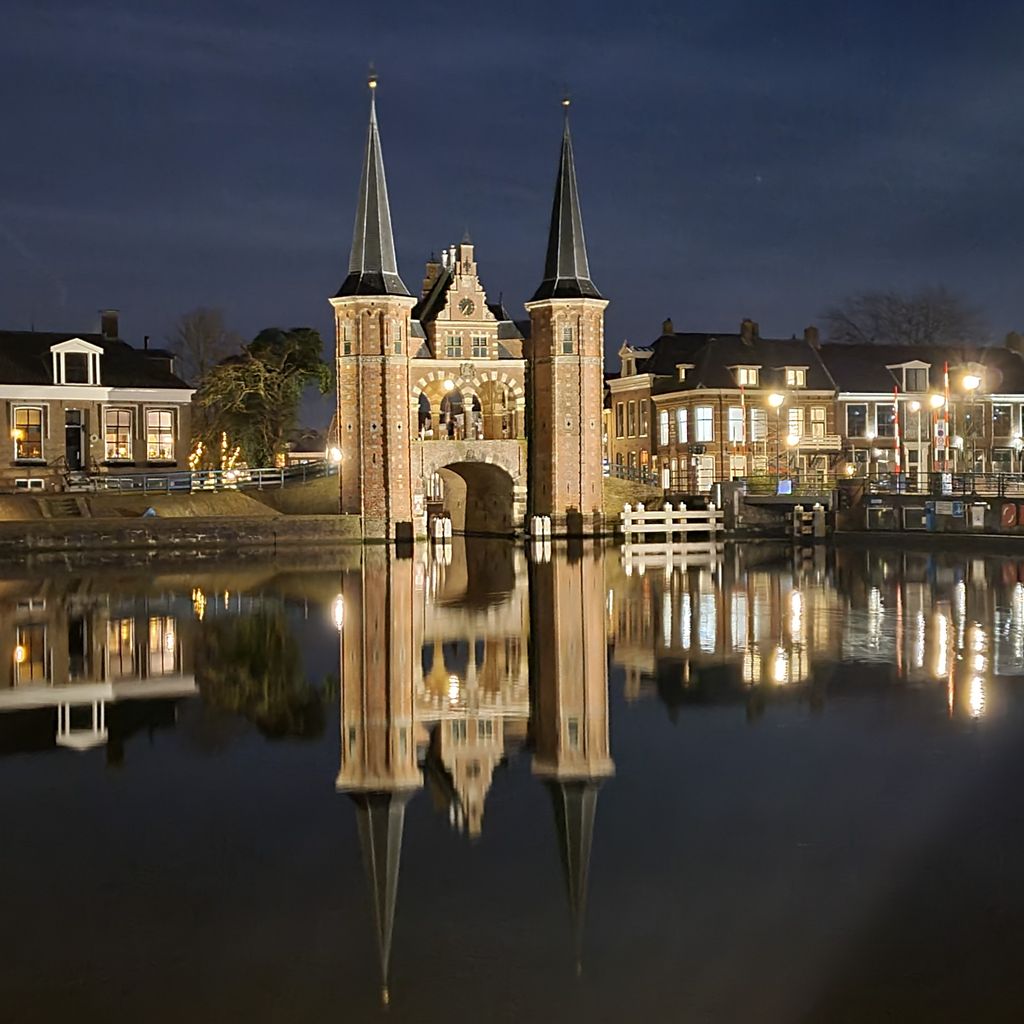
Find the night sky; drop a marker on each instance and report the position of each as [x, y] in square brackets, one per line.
[735, 159]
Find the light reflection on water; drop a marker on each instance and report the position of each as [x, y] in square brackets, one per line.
[463, 687]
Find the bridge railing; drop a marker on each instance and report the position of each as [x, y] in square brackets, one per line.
[999, 485]
[673, 524]
[190, 481]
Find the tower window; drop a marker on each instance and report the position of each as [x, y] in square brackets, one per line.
[346, 338]
[567, 341]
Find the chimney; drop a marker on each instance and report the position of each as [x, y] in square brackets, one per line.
[431, 274]
[812, 336]
[749, 331]
[108, 324]
[1015, 343]
[666, 327]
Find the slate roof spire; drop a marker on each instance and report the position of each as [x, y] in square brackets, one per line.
[372, 266]
[566, 269]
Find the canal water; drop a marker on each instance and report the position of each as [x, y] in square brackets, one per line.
[507, 784]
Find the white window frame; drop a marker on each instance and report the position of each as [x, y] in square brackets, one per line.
[819, 421]
[796, 376]
[735, 425]
[663, 426]
[568, 345]
[748, 376]
[795, 420]
[16, 441]
[758, 425]
[704, 424]
[107, 457]
[158, 411]
[682, 425]
[78, 347]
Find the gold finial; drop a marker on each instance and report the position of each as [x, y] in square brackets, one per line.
[371, 81]
[566, 101]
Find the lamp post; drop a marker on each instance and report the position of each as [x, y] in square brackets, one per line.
[937, 402]
[775, 400]
[971, 382]
[792, 440]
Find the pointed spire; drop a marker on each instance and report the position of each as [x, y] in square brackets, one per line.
[381, 818]
[372, 267]
[566, 270]
[575, 805]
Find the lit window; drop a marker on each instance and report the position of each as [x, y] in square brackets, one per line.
[746, 376]
[160, 435]
[567, 341]
[118, 434]
[681, 373]
[643, 419]
[480, 347]
[796, 377]
[681, 432]
[736, 424]
[705, 430]
[663, 427]
[631, 419]
[758, 424]
[620, 425]
[795, 421]
[453, 346]
[459, 731]
[819, 416]
[28, 432]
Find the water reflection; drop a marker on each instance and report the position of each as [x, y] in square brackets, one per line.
[458, 675]
[436, 682]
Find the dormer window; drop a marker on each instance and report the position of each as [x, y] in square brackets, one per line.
[913, 376]
[747, 376]
[628, 367]
[681, 373]
[76, 362]
[796, 376]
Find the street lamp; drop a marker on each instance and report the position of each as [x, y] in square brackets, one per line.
[775, 400]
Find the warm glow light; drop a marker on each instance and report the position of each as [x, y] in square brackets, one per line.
[453, 689]
[792, 440]
[915, 406]
[18, 434]
[976, 697]
[971, 382]
[449, 385]
[869, 436]
[850, 469]
[20, 654]
[779, 667]
[937, 401]
[335, 455]
[338, 609]
[775, 400]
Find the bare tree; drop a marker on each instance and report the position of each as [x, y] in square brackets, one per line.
[201, 341]
[930, 316]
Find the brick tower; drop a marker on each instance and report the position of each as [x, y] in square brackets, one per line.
[566, 364]
[371, 314]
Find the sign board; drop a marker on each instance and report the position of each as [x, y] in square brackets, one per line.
[947, 483]
[949, 508]
[977, 516]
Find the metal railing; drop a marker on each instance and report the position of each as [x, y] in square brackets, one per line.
[190, 481]
[637, 474]
[998, 485]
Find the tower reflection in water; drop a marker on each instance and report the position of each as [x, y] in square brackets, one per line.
[437, 685]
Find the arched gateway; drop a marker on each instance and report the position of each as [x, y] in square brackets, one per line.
[448, 405]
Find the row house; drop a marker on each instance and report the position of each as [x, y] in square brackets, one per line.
[925, 408]
[695, 408]
[88, 403]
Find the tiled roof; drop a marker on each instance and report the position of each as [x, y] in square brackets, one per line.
[25, 359]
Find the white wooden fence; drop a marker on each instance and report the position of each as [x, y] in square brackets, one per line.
[673, 525]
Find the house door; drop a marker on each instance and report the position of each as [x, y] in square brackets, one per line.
[74, 440]
[705, 472]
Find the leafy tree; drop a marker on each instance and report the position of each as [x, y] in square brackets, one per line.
[254, 397]
[200, 340]
[930, 316]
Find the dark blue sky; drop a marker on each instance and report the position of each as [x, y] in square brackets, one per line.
[735, 159]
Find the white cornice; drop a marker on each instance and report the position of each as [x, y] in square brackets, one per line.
[624, 383]
[90, 393]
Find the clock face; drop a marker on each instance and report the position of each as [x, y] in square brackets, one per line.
[466, 307]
